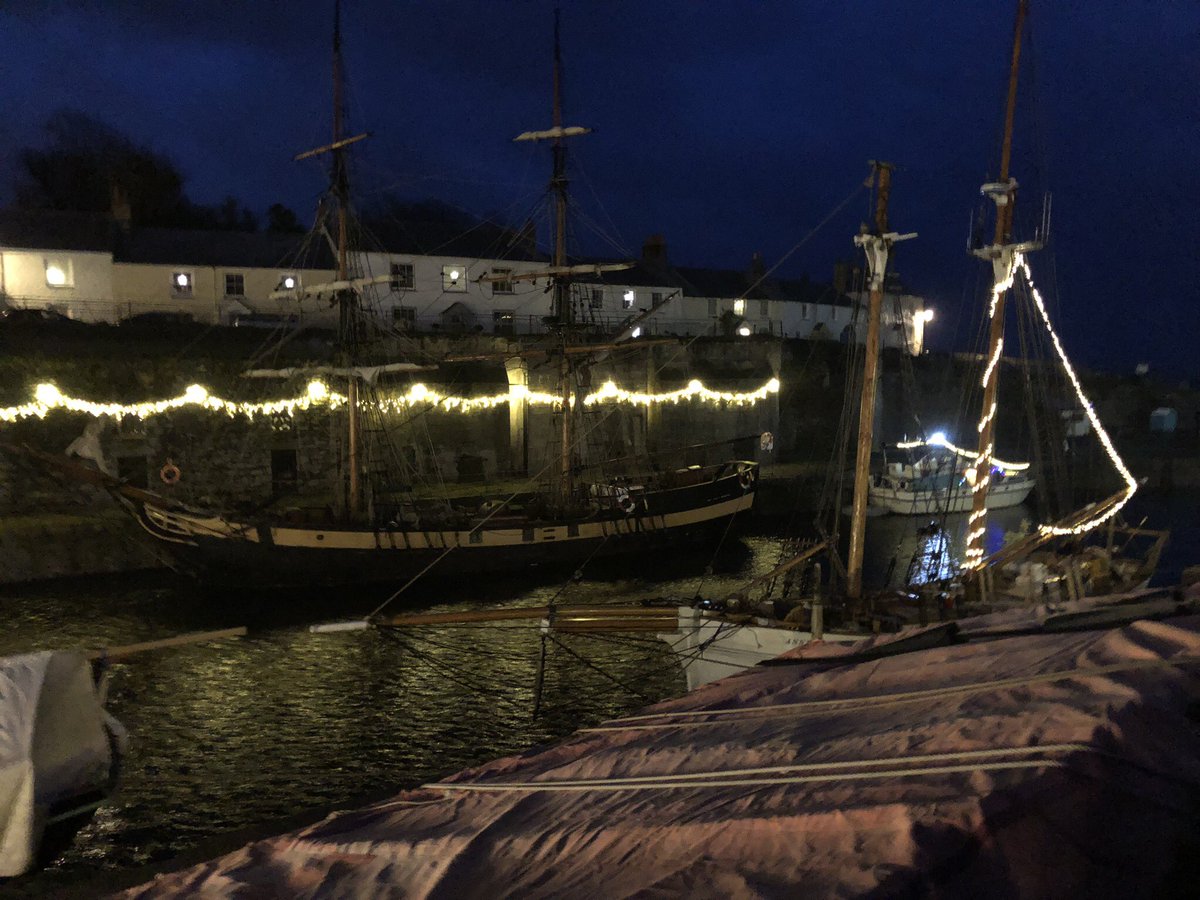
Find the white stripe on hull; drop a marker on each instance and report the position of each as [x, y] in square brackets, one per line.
[910, 503]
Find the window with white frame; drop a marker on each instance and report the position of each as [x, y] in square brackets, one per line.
[805, 310]
[712, 306]
[403, 277]
[628, 299]
[502, 285]
[182, 283]
[764, 308]
[404, 317]
[235, 284]
[596, 299]
[59, 272]
[454, 278]
[655, 298]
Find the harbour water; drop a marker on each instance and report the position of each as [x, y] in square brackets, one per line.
[244, 734]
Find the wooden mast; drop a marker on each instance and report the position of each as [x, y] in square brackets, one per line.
[347, 305]
[562, 286]
[877, 263]
[877, 246]
[1003, 192]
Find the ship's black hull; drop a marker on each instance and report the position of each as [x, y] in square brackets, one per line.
[222, 552]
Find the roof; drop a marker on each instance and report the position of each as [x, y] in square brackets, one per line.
[56, 230]
[997, 759]
[262, 250]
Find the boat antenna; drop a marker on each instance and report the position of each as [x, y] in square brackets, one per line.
[1003, 194]
[877, 245]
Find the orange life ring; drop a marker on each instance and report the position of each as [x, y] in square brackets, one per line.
[169, 473]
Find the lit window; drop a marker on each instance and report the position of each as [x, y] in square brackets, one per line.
[454, 278]
[403, 277]
[181, 284]
[739, 307]
[627, 299]
[597, 299]
[59, 273]
[288, 282]
[502, 286]
[235, 284]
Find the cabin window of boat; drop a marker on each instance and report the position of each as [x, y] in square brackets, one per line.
[628, 299]
[235, 284]
[712, 306]
[502, 285]
[503, 322]
[454, 278]
[597, 299]
[59, 272]
[181, 284]
[403, 277]
[404, 317]
[805, 310]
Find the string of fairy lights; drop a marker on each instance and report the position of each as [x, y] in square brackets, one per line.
[47, 398]
[974, 559]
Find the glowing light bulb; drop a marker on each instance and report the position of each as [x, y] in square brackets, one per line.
[927, 315]
[317, 391]
[48, 395]
[182, 280]
[195, 394]
[55, 276]
[744, 330]
[454, 273]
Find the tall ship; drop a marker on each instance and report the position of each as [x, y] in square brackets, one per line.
[574, 511]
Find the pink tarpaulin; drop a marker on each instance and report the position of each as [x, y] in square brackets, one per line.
[1063, 764]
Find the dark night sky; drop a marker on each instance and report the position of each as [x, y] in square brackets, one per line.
[728, 126]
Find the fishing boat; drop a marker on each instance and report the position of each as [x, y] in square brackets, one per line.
[938, 482]
[369, 534]
[1088, 552]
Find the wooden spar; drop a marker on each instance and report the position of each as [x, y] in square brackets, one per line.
[577, 350]
[877, 261]
[796, 560]
[1032, 541]
[1004, 214]
[178, 641]
[518, 613]
[557, 271]
[329, 148]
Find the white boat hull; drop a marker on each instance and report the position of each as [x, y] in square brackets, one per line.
[711, 649]
[907, 502]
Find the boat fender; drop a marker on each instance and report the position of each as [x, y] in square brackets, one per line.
[625, 502]
[169, 473]
[745, 478]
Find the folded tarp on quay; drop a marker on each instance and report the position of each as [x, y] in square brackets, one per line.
[1044, 764]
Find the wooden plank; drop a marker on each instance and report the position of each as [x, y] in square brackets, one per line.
[177, 641]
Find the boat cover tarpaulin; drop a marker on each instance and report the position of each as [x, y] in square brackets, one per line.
[1047, 764]
[53, 746]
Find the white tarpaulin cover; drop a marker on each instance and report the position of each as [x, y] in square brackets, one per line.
[53, 746]
[1035, 765]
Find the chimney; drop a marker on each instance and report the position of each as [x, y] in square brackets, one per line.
[121, 212]
[654, 253]
[757, 270]
[841, 277]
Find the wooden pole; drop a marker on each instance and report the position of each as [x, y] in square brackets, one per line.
[1004, 211]
[177, 641]
[866, 409]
